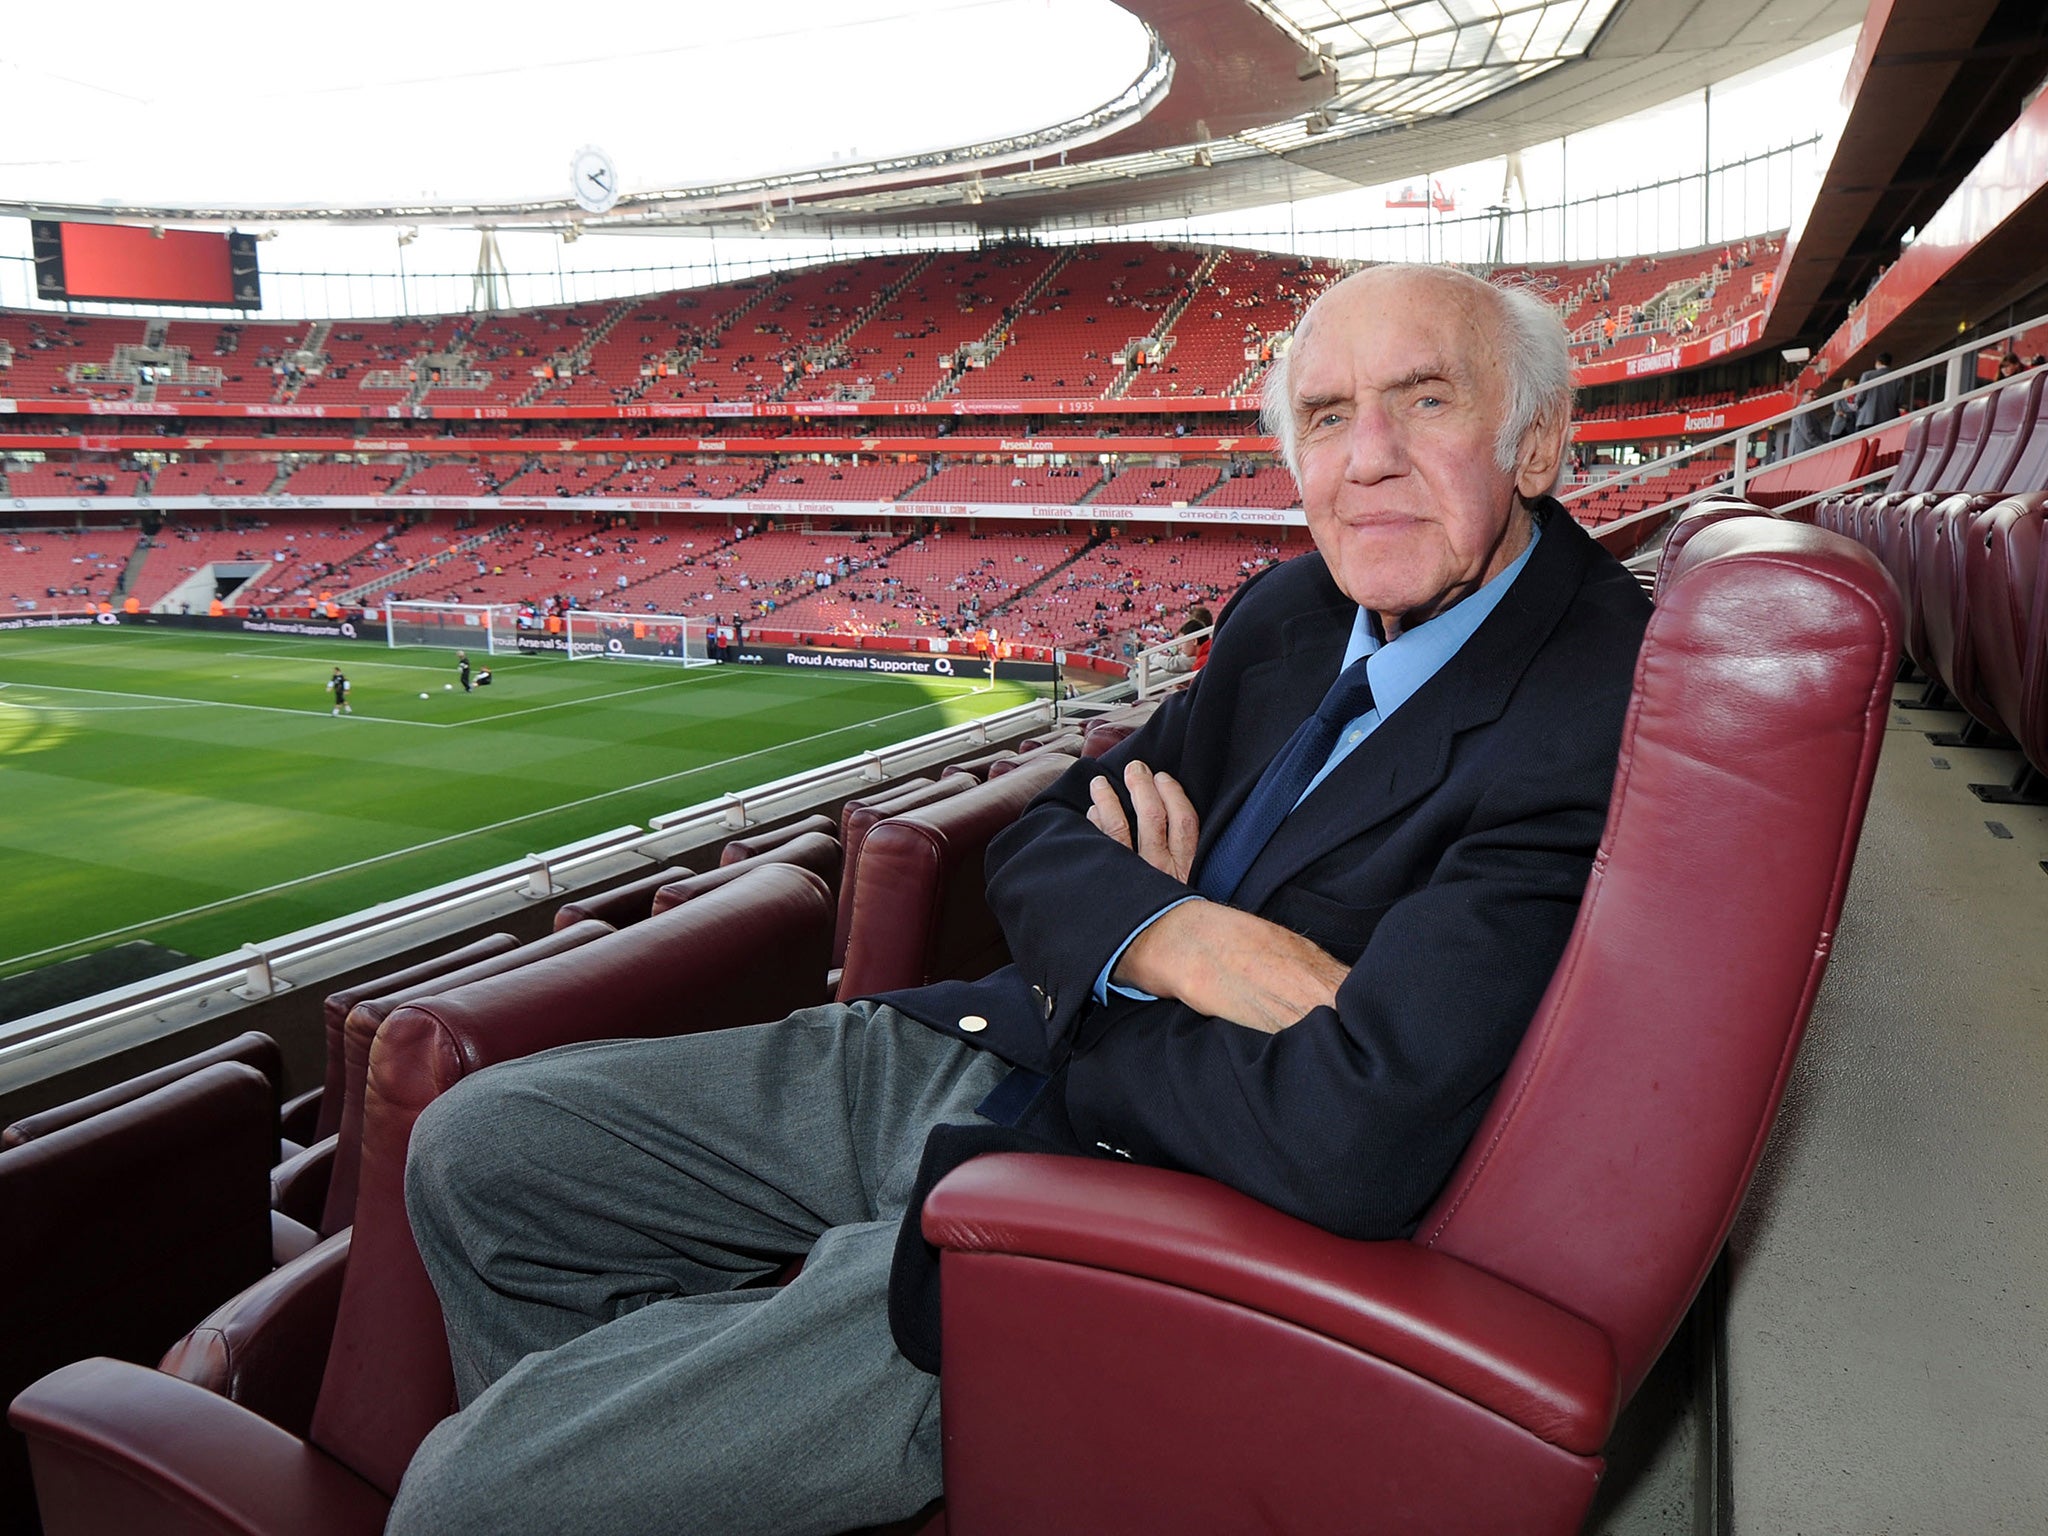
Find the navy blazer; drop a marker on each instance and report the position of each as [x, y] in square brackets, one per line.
[1443, 860]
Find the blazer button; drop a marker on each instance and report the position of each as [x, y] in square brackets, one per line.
[973, 1023]
[1044, 1001]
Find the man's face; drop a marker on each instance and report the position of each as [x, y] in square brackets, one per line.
[1397, 396]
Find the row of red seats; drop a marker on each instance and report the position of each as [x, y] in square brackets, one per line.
[1959, 528]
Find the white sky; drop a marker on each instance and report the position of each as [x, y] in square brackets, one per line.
[300, 105]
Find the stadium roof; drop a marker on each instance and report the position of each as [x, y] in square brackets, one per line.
[1170, 108]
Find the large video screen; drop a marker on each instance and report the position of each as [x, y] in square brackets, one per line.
[138, 264]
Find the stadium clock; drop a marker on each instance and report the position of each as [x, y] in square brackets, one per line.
[593, 180]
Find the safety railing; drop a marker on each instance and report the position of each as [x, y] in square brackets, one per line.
[1953, 364]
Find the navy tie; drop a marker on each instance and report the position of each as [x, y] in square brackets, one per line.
[1281, 785]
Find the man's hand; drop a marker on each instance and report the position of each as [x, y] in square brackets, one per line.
[1216, 959]
[1168, 827]
[1232, 965]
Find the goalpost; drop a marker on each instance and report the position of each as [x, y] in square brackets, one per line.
[594, 636]
[487, 627]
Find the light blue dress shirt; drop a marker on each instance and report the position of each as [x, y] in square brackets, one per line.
[1397, 669]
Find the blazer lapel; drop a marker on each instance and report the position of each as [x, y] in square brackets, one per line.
[1408, 756]
[1272, 698]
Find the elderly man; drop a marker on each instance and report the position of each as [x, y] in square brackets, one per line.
[1288, 935]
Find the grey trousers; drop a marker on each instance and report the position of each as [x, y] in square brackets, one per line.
[588, 1217]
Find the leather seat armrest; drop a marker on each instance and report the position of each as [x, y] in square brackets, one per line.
[122, 1447]
[298, 1185]
[1488, 1341]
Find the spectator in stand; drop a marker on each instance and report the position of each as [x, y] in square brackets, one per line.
[1808, 431]
[1842, 418]
[1877, 394]
[2008, 365]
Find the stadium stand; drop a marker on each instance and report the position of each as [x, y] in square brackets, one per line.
[1158, 486]
[61, 569]
[242, 478]
[955, 300]
[944, 582]
[1251, 484]
[1067, 339]
[1066, 485]
[332, 479]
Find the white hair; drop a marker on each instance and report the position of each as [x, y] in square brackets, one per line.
[1535, 355]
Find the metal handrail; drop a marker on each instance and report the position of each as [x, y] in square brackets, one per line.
[1739, 472]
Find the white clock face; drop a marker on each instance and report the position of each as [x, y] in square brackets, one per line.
[594, 183]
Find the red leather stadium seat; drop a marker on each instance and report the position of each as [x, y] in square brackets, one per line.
[1106, 1326]
[124, 1228]
[817, 852]
[251, 1047]
[122, 1445]
[1068, 747]
[919, 911]
[622, 905]
[754, 844]
[2009, 633]
[334, 1014]
[360, 1029]
[858, 817]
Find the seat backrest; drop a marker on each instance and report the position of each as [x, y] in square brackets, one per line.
[632, 902]
[1671, 560]
[857, 818]
[1937, 598]
[123, 1229]
[1612, 1159]
[815, 851]
[735, 956]
[253, 1048]
[1909, 455]
[360, 1029]
[1068, 747]
[2002, 553]
[2005, 442]
[334, 1014]
[1973, 431]
[1932, 464]
[2031, 725]
[756, 843]
[2030, 471]
[920, 912]
[977, 767]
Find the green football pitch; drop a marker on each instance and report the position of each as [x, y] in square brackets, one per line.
[194, 790]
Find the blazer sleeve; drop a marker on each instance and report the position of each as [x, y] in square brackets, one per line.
[1066, 896]
[1352, 1118]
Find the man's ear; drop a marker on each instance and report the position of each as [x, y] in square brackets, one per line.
[1540, 457]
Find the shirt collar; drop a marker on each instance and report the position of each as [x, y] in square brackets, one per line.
[1399, 667]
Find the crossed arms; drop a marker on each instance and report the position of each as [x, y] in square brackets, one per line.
[1219, 961]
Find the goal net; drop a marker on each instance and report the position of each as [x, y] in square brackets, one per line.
[487, 627]
[594, 636]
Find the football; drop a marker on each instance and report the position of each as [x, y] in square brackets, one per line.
[448, 687]
[423, 695]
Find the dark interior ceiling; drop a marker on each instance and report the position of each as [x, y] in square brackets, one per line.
[1934, 85]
